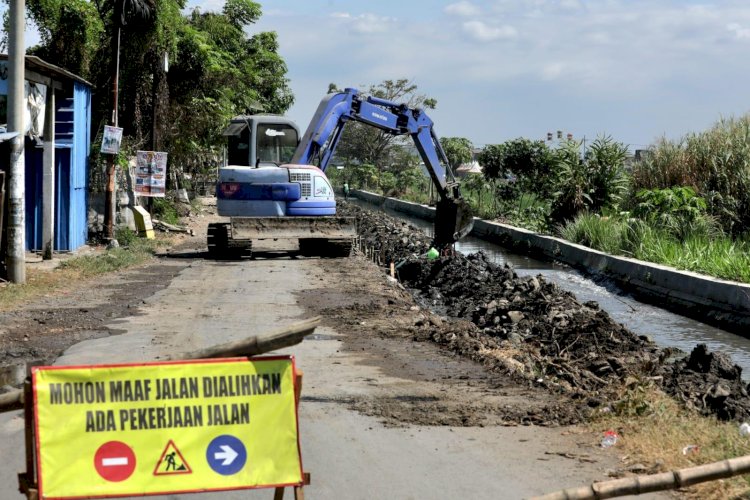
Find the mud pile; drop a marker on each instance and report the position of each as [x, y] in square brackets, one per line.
[536, 331]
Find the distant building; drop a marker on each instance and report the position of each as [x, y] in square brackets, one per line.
[465, 169]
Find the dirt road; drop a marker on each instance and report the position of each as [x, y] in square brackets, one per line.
[382, 415]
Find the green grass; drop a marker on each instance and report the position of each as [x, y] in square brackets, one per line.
[600, 233]
[70, 273]
[717, 256]
[137, 252]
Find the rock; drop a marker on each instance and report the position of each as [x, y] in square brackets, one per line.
[515, 316]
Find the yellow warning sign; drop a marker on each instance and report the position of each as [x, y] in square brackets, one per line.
[164, 428]
[171, 462]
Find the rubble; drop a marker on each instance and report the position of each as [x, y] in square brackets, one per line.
[542, 334]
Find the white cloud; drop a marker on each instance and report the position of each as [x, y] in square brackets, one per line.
[206, 5]
[483, 32]
[553, 71]
[464, 9]
[364, 23]
[631, 68]
[738, 31]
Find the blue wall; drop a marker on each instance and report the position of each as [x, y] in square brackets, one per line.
[72, 140]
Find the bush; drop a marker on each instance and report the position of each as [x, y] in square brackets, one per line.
[716, 163]
[164, 210]
[595, 182]
[677, 210]
[125, 236]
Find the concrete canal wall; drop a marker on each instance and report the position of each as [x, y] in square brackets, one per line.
[723, 303]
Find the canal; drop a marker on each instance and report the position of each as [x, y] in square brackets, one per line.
[663, 327]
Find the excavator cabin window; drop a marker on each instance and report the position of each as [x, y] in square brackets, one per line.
[238, 148]
[275, 143]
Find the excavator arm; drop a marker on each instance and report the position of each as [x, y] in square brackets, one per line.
[453, 218]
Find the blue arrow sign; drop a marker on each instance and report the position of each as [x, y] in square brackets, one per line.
[226, 455]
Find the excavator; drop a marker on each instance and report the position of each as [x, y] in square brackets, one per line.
[274, 184]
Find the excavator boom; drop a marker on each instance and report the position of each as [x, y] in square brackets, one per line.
[453, 218]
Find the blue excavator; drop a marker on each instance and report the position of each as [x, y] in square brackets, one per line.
[274, 185]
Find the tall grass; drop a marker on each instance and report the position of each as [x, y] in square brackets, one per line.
[601, 233]
[717, 256]
[715, 162]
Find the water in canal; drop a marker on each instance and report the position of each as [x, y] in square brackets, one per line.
[664, 327]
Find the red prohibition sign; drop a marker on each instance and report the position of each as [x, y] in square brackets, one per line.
[114, 461]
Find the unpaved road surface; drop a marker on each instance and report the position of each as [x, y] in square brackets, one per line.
[384, 413]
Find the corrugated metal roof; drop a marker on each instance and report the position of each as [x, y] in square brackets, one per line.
[42, 66]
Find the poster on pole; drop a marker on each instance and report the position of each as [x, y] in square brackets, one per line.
[111, 140]
[151, 173]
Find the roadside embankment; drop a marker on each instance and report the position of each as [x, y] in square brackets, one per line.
[722, 303]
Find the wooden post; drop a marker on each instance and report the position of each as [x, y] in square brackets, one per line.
[655, 482]
[2, 208]
[27, 481]
[299, 492]
[48, 176]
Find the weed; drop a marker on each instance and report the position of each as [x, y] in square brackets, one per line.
[125, 236]
[165, 211]
[41, 283]
[655, 429]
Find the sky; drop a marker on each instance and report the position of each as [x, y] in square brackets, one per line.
[633, 69]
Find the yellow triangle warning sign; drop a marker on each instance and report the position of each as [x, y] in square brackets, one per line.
[171, 462]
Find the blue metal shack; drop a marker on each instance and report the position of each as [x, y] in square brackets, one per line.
[72, 115]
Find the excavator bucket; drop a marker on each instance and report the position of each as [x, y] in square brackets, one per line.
[453, 221]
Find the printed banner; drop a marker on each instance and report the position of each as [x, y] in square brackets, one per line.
[151, 173]
[111, 140]
[165, 428]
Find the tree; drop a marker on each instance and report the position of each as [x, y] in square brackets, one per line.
[70, 32]
[532, 163]
[594, 182]
[411, 178]
[606, 163]
[477, 184]
[459, 150]
[216, 70]
[492, 160]
[362, 176]
[367, 144]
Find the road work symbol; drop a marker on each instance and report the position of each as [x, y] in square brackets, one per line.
[171, 462]
[226, 455]
[114, 461]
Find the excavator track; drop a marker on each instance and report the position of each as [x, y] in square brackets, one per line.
[222, 247]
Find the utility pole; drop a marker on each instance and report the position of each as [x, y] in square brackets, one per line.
[16, 258]
[109, 199]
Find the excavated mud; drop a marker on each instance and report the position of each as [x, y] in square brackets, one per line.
[541, 334]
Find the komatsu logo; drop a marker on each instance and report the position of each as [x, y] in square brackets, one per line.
[380, 117]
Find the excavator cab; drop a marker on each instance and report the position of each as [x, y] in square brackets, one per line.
[260, 140]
